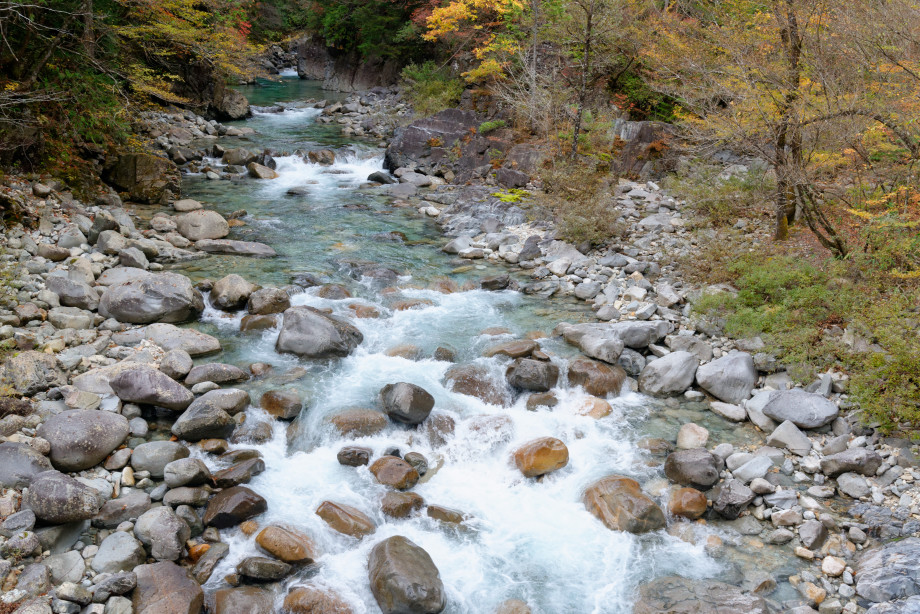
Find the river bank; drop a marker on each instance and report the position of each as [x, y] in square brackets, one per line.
[781, 516]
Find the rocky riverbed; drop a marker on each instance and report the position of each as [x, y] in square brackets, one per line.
[376, 435]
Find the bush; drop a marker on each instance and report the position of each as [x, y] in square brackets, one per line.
[580, 198]
[430, 88]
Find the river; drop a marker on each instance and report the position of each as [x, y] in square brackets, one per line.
[526, 539]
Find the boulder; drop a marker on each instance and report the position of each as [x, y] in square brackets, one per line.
[238, 248]
[804, 409]
[148, 386]
[687, 502]
[73, 292]
[238, 156]
[163, 532]
[477, 381]
[19, 464]
[232, 506]
[155, 297]
[889, 572]
[310, 333]
[58, 499]
[533, 375]
[268, 301]
[239, 473]
[354, 456]
[406, 403]
[732, 498]
[730, 378]
[202, 224]
[597, 378]
[65, 567]
[787, 435]
[216, 372]
[400, 504]
[166, 588]
[605, 341]
[145, 178]
[404, 578]
[854, 460]
[288, 545]
[153, 456]
[176, 364]
[394, 471]
[231, 293]
[671, 374]
[127, 507]
[676, 595]
[259, 171]
[359, 422]
[31, 372]
[620, 504]
[513, 606]
[170, 337]
[81, 439]
[698, 468]
[346, 519]
[243, 600]
[118, 552]
[541, 456]
[285, 404]
[309, 600]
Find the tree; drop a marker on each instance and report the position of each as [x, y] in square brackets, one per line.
[790, 81]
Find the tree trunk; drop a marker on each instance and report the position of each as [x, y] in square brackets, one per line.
[89, 39]
[585, 76]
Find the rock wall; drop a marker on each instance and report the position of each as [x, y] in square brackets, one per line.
[343, 72]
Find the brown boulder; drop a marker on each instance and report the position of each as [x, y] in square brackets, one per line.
[283, 404]
[519, 348]
[404, 579]
[243, 600]
[394, 471]
[596, 377]
[346, 519]
[166, 588]
[513, 606]
[309, 600]
[354, 456]
[257, 322]
[541, 456]
[475, 381]
[687, 502]
[596, 408]
[232, 506]
[621, 505]
[288, 545]
[359, 422]
[401, 504]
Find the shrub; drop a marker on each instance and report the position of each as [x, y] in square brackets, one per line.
[579, 197]
[430, 88]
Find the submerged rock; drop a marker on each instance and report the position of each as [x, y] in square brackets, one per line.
[676, 595]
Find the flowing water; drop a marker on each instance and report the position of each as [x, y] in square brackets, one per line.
[525, 539]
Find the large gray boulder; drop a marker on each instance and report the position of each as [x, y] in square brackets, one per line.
[676, 595]
[404, 579]
[153, 456]
[533, 375]
[203, 224]
[129, 506]
[144, 177]
[889, 572]
[311, 333]
[156, 297]
[149, 386]
[804, 409]
[73, 292]
[606, 341]
[671, 374]
[81, 439]
[204, 419]
[117, 553]
[238, 248]
[730, 378]
[19, 464]
[855, 460]
[31, 372]
[58, 499]
[171, 337]
[216, 372]
[163, 532]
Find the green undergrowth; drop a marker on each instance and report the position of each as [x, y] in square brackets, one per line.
[801, 310]
[430, 88]
[720, 201]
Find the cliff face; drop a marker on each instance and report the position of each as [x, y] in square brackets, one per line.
[343, 72]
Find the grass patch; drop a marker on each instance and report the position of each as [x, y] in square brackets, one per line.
[580, 197]
[431, 88]
[487, 127]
